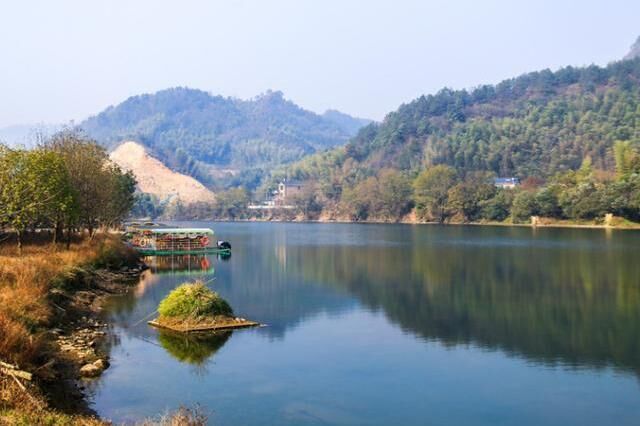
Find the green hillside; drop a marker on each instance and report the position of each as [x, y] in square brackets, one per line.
[217, 139]
[535, 125]
[539, 127]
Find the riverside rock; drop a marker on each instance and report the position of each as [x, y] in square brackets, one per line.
[93, 369]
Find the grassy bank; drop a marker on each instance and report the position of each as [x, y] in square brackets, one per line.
[33, 289]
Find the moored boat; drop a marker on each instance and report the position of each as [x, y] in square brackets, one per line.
[159, 240]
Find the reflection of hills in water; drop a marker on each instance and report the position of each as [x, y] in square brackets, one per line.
[260, 288]
[192, 348]
[267, 289]
[545, 300]
[552, 296]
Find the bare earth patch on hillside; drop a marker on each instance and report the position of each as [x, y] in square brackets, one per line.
[157, 179]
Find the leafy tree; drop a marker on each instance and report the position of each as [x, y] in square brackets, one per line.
[524, 206]
[627, 159]
[584, 201]
[85, 161]
[359, 201]
[34, 188]
[306, 201]
[393, 194]
[547, 202]
[498, 208]
[431, 191]
[231, 204]
[622, 198]
[120, 188]
[467, 197]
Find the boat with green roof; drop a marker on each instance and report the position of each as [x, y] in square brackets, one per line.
[154, 239]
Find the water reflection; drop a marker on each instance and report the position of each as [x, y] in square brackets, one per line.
[556, 297]
[553, 296]
[394, 325]
[186, 264]
[195, 348]
[131, 309]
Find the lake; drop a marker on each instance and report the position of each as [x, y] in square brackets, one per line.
[392, 324]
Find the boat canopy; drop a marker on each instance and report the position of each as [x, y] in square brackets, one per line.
[201, 231]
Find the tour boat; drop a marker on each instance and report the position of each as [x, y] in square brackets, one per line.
[158, 240]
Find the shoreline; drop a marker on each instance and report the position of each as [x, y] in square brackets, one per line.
[80, 337]
[71, 344]
[633, 227]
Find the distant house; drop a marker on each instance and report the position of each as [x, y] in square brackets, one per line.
[280, 198]
[506, 182]
[287, 189]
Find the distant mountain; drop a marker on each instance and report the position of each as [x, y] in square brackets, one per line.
[634, 52]
[156, 179]
[218, 139]
[26, 135]
[346, 122]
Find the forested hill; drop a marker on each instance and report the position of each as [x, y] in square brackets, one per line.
[537, 124]
[209, 137]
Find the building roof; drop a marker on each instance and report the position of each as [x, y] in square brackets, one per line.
[505, 180]
[292, 183]
[168, 230]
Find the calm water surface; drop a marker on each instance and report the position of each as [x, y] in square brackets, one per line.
[393, 324]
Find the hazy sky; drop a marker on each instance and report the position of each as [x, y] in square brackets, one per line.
[63, 60]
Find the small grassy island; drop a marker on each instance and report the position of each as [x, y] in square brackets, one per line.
[193, 307]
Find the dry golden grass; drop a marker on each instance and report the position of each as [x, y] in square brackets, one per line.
[25, 282]
[26, 313]
[25, 408]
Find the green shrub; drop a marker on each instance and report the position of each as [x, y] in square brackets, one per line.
[72, 278]
[114, 255]
[193, 300]
[524, 206]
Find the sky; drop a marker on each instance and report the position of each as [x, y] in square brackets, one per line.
[65, 60]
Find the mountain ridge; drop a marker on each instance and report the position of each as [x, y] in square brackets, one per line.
[536, 124]
[214, 138]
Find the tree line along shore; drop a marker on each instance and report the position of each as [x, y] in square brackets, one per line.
[442, 194]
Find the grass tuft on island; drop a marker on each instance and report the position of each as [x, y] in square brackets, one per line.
[195, 307]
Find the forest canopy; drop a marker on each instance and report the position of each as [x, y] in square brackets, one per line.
[571, 136]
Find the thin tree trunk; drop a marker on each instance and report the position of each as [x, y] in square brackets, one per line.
[68, 237]
[19, 234]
